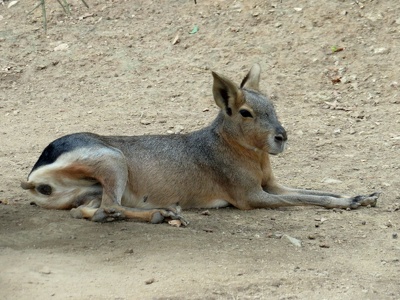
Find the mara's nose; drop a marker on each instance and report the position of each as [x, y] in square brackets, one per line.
[280, 135]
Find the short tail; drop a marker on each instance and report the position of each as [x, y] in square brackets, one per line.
[27, 185]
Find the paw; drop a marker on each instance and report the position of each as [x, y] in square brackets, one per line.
[171, 213]
[365, 200]
[76, 213]
[106, 215]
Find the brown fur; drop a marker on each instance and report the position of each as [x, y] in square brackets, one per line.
[145, 178]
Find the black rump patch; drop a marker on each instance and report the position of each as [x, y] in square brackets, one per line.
[62, 145]
[44, 189]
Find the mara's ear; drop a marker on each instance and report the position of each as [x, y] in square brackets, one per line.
[252, 79]
[226, 94]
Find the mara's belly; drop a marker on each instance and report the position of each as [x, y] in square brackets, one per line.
[152, 201]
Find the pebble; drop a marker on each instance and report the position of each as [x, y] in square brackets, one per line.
[293, 240]
[372, 16]
[381, 50]
[394, 235]
[129, 251]
[145, 122]
[331, 181]
[178, 129]
[61, 47]
[45, 270]
[337, 131]
[149, 281]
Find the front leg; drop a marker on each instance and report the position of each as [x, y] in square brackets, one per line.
[295, 197]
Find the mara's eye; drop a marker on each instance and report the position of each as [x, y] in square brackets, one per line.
[245, 113]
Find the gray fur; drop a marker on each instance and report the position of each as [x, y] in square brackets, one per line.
[146, 177]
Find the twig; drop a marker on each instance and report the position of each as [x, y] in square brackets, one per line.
[65, 7]
[44, 15]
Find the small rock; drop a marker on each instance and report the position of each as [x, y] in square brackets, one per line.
[129, 251]
[324, 245]
[394, 235]
[293, 240]
[178, 129]
[331, 181]
[381, 50]
[5, 201]
[145, 122]
[297, 8]
[45, 270]
[205, 213]
[277, 25]
[61, 47]
[372, 16]
[149, 281]
[389, 224]
[348, 79]
[337, 131]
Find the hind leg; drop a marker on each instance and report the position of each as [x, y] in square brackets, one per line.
[93, 212]
[112, 174]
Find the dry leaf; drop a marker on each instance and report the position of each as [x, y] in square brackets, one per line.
[12, 3]
[5, 201]
[176, 40]
[61, 47]
[175, 223]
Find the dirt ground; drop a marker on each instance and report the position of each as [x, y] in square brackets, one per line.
[332, 68]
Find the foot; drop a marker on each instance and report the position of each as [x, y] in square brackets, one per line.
[365, 200]
[173, 212]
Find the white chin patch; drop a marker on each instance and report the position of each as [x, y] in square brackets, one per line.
[277, 148]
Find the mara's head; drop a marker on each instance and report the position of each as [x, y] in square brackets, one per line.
[248, 115]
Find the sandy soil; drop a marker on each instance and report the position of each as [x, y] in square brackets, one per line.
[113, 69]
